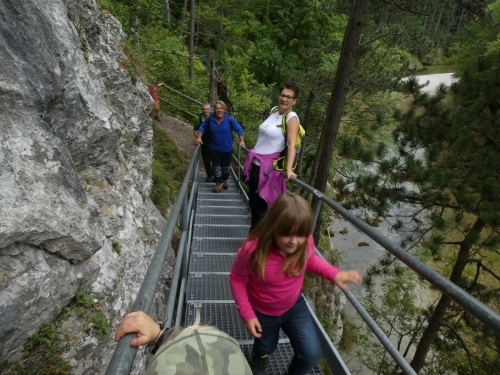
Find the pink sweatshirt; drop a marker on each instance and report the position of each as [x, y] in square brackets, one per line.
[272, 184]
[277, 293]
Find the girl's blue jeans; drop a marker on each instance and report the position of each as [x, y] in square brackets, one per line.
[297, 323]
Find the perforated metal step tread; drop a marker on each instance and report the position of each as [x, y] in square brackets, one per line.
[216, 245]
[201, 220]
[217, 210]
[226, 194]
[209, 231]
[223, 316]
[208, 287]
[279, 360]
[206, 263]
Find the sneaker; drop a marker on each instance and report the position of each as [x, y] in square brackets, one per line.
[217, 188]
[258, 365]
[209, 179]
[225, 184]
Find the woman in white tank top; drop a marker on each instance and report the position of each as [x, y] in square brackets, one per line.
[264, 188]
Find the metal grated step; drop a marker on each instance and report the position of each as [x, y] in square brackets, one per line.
[208, 231]
[208, 263]
[208, 287]
[218, 203]
[222, 220]
[223, 316]
[216, 245]
[228, 194]
[279, 360]
[227, 210]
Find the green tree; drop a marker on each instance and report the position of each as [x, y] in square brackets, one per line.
[393, 304]
[449, 149]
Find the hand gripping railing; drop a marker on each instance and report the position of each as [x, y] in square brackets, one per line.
[124, 355]
[464, 299]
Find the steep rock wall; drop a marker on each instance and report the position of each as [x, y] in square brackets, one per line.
[75, 163]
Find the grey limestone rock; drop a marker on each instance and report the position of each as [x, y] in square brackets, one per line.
[75, 163]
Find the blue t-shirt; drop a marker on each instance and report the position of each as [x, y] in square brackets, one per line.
[221, 137]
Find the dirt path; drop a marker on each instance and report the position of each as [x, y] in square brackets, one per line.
[180, 132]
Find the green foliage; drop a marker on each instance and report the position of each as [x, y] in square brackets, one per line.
[83, 42]
[448, 150]
[169, 168]
[100, 324]
[392, 304]
[84, 299]
[42, 351]
[117, 247]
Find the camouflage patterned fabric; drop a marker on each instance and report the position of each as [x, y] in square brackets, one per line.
[203, 351]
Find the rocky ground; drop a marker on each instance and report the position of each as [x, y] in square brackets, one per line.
[180, 132]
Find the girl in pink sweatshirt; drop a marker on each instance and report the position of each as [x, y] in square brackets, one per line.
[266, 280]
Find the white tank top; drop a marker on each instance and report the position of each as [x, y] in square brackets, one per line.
[271, 138]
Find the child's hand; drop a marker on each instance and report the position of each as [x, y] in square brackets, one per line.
[140, 323]
[253, 328]
[344, 277]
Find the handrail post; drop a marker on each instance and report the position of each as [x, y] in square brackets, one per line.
[316, 209]
[238, 178]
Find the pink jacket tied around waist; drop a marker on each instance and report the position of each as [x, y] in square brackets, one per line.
[272, 184]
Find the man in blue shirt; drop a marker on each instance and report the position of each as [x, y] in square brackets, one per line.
[220, 127]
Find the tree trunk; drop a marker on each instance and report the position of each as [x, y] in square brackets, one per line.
[183, 17]
[452, 17]
[167, 9]
[310, 101]
[214, 81]
[191, 41]
[345, 66]
[439, 19]
[432, 18]
[460, 22]
[437, 317]
[133, 27]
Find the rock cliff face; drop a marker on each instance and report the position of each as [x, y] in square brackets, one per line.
[75, 164]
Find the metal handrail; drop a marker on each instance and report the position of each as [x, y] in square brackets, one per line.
[124, 355]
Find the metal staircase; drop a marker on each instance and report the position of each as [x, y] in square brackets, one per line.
[221, 224]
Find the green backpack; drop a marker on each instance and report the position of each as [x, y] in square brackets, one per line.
[281, 163]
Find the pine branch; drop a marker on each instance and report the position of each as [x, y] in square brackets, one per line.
[464, 345]
[380, 37]
[481, 265]
[404, 9]
[173, 52]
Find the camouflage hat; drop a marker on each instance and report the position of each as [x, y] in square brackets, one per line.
[202, 351]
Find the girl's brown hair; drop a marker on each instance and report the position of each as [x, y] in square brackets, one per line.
[289, 215]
